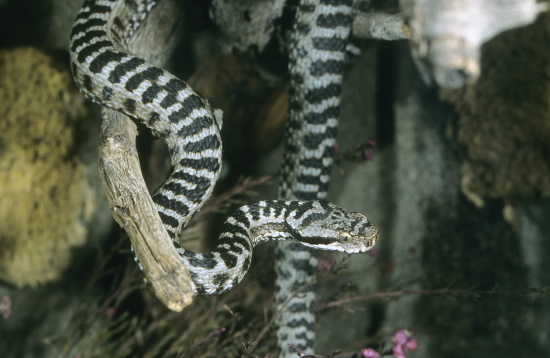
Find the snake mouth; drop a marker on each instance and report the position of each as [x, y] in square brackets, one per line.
[368, 243]
[360, 246]
[316, 240]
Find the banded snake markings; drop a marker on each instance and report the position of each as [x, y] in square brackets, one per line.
[317, 51]
[110, 76]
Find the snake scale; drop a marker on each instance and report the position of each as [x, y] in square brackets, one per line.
[114, 78]
[317, 45]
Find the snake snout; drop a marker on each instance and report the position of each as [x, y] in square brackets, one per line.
[371, 238]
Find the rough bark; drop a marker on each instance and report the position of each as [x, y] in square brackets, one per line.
[246, 23]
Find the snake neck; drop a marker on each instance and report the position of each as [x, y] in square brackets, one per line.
[224, 267]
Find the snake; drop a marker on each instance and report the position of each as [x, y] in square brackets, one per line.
[317, 46]
[109, 75]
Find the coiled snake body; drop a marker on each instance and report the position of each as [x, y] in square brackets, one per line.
[109, 75]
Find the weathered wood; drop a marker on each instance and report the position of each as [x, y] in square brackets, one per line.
[380, 26]
[134, 210]
[120, 173]
[446, 36]
[246, 23]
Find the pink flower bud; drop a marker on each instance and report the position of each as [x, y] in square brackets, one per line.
[400, 337]
[325, 264]
[373, 252]
[410, 345]
[110, 312]
[368, 155]
[336, 148]
[5, 307]
[398, 351]
[370, 353]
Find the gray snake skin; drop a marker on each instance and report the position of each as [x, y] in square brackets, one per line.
[110, 76]
[317, 49]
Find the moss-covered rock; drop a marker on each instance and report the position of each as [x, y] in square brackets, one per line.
[42, 183]
[504, 124]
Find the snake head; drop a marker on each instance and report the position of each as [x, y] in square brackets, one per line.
[329, 227]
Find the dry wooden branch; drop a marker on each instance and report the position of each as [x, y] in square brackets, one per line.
[120, 173]
[134, 210]
[446, 36]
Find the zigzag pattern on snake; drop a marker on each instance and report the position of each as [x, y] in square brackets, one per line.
[317, 49]
[107, 74]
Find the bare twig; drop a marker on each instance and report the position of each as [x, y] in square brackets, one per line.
[544, 291]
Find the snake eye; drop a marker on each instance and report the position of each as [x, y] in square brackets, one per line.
[344, 236]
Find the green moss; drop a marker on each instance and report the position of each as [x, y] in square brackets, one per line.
[42, 184]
